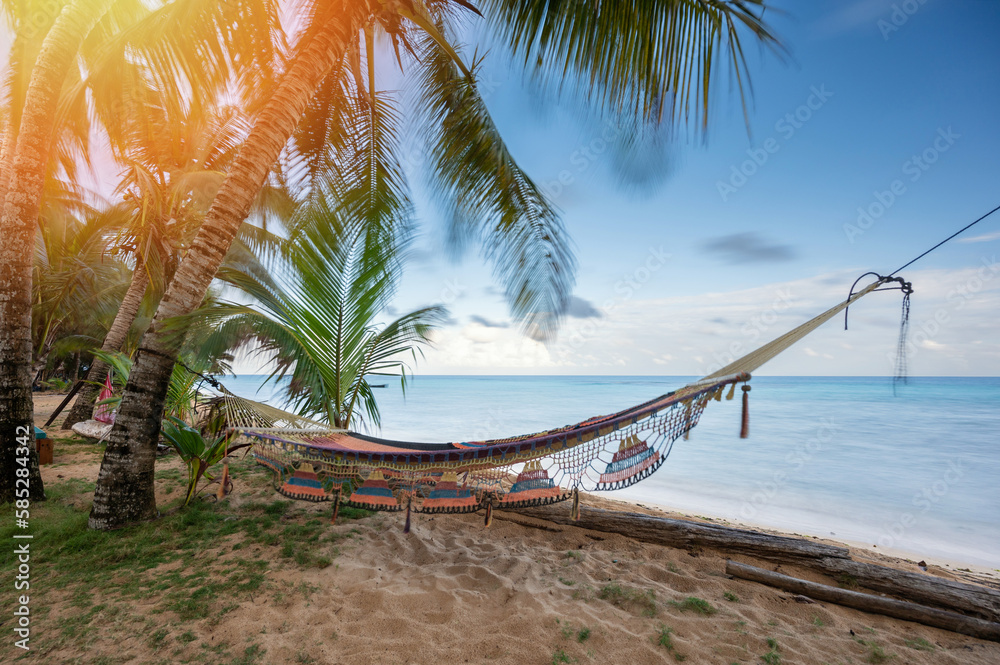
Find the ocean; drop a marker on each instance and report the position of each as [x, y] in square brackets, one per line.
[916, 472]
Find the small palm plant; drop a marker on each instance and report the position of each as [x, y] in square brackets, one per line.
[315, 314]
[200, 452]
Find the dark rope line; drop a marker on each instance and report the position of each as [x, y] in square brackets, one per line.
[209, 378]
[963, 229]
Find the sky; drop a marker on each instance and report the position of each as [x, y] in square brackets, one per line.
[873, 138]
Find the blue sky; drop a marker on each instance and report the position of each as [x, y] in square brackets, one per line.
[888, 106]
[893, 113]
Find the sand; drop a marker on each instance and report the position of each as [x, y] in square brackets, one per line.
[523, 591]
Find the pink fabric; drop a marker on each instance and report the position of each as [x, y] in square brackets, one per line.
[104, 413]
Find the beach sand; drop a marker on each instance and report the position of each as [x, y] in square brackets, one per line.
[521, 591]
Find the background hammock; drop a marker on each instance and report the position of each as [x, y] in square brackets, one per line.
[313, 462]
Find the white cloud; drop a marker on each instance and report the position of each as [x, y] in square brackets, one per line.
[986, 237]
[953, 331]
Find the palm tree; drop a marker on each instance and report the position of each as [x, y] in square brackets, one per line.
[175, 161]
[73, 280]
[110, 35]
[649, 60]
[314, 313]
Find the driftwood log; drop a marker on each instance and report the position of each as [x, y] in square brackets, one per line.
[970, 599]
[686, 534]
[898, 609]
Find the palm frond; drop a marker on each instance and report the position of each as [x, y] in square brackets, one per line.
[491, 198]
[647, 58]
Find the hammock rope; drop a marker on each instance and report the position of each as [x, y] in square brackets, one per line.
[315, 462]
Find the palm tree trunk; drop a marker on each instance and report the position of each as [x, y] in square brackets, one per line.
[83, 408]
[17, 236]
[12, 121]
[124, 492]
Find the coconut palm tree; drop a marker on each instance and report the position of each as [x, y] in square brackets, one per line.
[314, 312]
[650, 60]
[109, 35]
[74, 281]
[175, 160]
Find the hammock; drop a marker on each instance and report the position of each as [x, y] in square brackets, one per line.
[313, 462]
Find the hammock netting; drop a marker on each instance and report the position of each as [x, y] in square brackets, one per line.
[313, 462]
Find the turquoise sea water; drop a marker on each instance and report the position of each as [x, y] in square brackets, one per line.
[917, 472]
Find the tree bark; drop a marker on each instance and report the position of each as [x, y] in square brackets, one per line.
[17, 236]
[124, 492]
[898, 609]
[687, 535]
[12, 121]
[83, 408]
[952, 595]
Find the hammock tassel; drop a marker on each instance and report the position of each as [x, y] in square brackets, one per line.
[336, 508]
[732, 391]
[575, 513]
[406, 527]
[745, 421]
[489, 513]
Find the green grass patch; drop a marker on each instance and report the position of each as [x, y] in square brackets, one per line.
[185, 564]
[920, 644]
[621, 596]
[772, 657]
[559, 656]
[696, 605]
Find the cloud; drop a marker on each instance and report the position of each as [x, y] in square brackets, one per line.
[952, 332]
[748, 248]
[986, 237]
[578, 308]
[483, 321]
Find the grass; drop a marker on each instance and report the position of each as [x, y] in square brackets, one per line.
[920, 644]
[582, 635]
[731, 597]
[560, 656]
[876, 654]
[185, 567]
[621, 596]
[664, 639]
[772, 657]
[694, 604]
